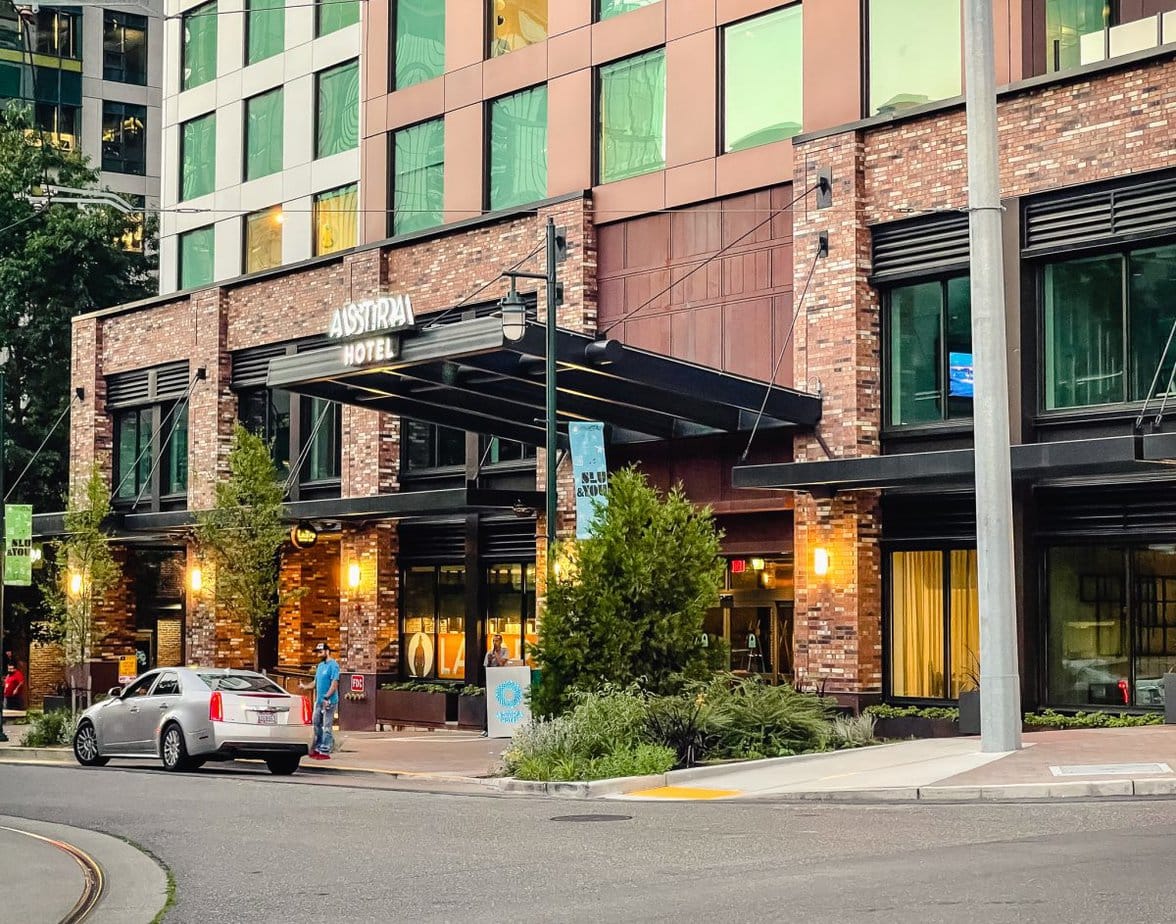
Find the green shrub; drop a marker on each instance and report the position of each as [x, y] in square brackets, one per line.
[886, 711]
[418, 686]
[630, 606]
[683, 724]
[642, 760]
[50, 730]
[749, 717]
[853, 731]
[1050, 719]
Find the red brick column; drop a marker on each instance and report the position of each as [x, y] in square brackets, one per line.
[90, 433]
[212, 406]
[838, 615]
[368, 624]
[312, 616]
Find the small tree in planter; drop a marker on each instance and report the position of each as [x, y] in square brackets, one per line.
[84, 571]
[969, 700]
[242, 536]
[630, 607]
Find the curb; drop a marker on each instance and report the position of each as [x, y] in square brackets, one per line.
[580, 790]
[1008, 792]
[693, 774]
[19, 755]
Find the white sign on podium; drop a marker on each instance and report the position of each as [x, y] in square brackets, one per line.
[506, 700]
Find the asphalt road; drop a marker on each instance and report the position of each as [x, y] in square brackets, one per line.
[246, 847]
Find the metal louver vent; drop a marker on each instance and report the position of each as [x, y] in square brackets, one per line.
[171, 381]
[1126, 210]
[250, 367]
[920, 247]
[1113, 511]
[128, 388]
[509, 540]
[433, 543]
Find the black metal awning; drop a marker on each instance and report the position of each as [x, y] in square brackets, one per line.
[469, 376]
[1112, 455]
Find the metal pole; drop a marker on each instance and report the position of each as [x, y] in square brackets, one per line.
[550, 389]
[1000, 691]
[3, 556]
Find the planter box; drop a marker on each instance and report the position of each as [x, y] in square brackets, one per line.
[471, 712]
[55, 703]
[1170, 699]
[401, 707]
[914, 726]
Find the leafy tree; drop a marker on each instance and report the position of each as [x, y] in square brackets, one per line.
[631, 605]
[55, 263]
[84, 571]
[242, 535]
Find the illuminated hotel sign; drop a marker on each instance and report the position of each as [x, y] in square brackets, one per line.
[366, 328]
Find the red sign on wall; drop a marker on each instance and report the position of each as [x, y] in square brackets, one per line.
[357, 683]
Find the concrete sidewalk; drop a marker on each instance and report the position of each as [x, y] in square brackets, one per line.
[1088, 763]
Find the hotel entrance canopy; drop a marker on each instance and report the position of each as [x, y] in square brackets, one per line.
[468, 375]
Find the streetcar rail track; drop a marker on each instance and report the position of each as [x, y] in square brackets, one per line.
[92, 879]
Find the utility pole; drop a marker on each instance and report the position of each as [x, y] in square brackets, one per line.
[550, 388]
[1000, 689]
[4, 555]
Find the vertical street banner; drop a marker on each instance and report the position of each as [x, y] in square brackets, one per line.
[589, 471]
[18, 544]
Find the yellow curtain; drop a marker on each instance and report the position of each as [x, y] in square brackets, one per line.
[336, 218]
[917, 622]
[965, 622]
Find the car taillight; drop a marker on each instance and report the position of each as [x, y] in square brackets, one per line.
[307, 712]
[216, 708]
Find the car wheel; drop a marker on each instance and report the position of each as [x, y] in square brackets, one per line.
[284, 765]
[85, 747]
[173, 751]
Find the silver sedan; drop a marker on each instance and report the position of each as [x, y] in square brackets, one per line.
[186, 716]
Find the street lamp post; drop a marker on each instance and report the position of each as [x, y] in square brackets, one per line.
[3, 554]
[513, 328]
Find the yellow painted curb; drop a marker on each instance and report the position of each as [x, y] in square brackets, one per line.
[684, 792]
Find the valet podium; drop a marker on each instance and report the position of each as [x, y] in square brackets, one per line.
[506, 700]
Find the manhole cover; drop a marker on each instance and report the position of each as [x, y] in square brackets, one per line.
[591, 817]
[1109, 769]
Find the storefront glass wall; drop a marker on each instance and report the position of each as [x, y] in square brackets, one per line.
[1111, 624]
[510, 605]
[433, 629]
[754, 618]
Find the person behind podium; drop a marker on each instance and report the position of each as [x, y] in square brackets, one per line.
[497, 656]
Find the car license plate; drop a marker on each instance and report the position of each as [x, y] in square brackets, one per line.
[267, 718]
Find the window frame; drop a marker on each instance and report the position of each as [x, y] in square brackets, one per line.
[392, 185]
[180, 256]
[316, 149]
[945, 424]
[318, 17]
[393, 84]
[314, 227]
[183, 145]
[596, 17]
[157, 458]
[121, 27]
[488, 33]
[597, 110]
[247, 28]
[867, 69]
[488, 134]
[139, 110]
[471, 670]
[280, 91]
[272, 212]
[194, 11]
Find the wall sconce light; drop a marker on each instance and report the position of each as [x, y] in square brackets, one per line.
[820, 561]
[75, 583]
[353, 575]
[196, 579]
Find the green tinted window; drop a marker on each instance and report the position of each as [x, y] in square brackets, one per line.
[419, 41]
[607, 9]
[265, 29]
[762, 77]
[1066, 21]
[915, 53]
[1150, 315]
[930, 362]
[518, 148]
[198, 55]
[174, 471]
[198, 157]
[338, 110]
[418, 176]
[263, 134]
[196, 258]
[1084, 356]
[333, 15]
[633, 116]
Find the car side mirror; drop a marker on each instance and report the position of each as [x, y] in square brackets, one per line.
[114, 692]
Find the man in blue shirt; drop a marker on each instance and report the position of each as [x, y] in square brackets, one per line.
[326, 700]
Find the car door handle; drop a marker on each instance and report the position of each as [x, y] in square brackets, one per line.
[134, 709]
[165, 705]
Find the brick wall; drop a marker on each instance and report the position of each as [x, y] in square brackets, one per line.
[311, 616]
[46, 672]
[169, 643]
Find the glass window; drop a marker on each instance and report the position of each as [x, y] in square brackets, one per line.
[55, 32]
[607, 9]
[124, 47]
[418, 176]
[168, 685]
[61, 123]
[1084, 356]
[198, 54]
[518, 148]
[516, 24]
[263, 239]
[933, 657]
[1066, 21]
[1150, 315]
[124, 146]
[428, 446]
[132, 457]
[434, 622]
[174, 436]
[336, 220]
[762, 79]
[263, 134]
[633, 116]
[198, 157]
[333, 15]
[419, 41]
[196, 248]
[265, 29]
[132, 236]
[510, 605]
[266, 412]
[930, 362]
[496, 450]
[322, 425]
[912, 66]
[337, 124]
